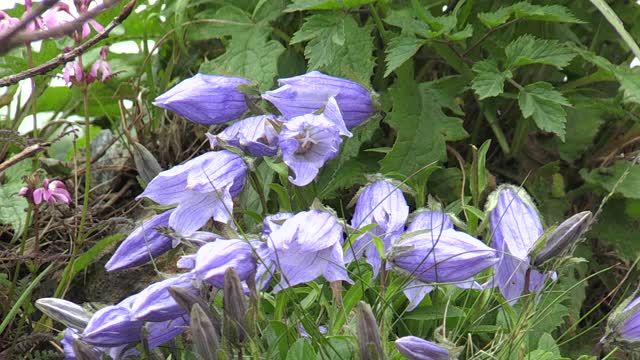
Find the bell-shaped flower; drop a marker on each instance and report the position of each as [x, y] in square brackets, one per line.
[142, 245]
[101, 66]
[383, 204]
[310, 140]
[434, 221]
[254, 134]
[306, 246]
[206, 99]
[213, 259]
[155, 303]
[112, 326]
[623, 326]
[515, 227]
[452, 256]
[160, 333]
[203, 188]
[415, 348]
[274, 222]
[308, 93]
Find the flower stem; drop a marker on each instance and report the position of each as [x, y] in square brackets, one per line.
[87, 167]
[257, 186]
[36, 243]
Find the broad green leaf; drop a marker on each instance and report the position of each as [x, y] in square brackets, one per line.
[435, 312]
[250, 56]
[301, 350]
[409, 24]
[325, 33]
[465, 33]
[489, 80]
[299, 5]
[401, 49]
[527, 50]
[227, 20]
[13, 207]
[543, 103]
[629, 82]
[606, 178]
[338, 348]
[495, 18]
[618, 230]
[583, 123]
[525, 10]
[422, 127]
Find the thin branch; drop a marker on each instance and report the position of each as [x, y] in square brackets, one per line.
[56, 31]
[27, 152]
[71, 55]
[5, 36]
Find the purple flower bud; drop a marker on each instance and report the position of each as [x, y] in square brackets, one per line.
[112, 326]
[630, 327]
[162, 332]
[143, 244]
[255, 135]
[155, 303]
[452, 256]
[383, 204]
[415, 348]
[306, 246]
[436, 221]
[202, 188]
[206, 99]
[308, 141]
[516, 227]
[213, 259]
[308, 93]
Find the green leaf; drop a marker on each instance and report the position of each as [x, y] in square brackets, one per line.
[489, 80]
[465, 33]
[435, 312]
[583, 123]
[606, 178]
[495, 18]
[527, 50]
[13, 207]
[90, 255]
[543, 103]
[629, 82]
[422, 127]
[299, 5]
[250, 56]
[401, 49]
[525, 10]
[301, 350]
[617, 229]
[225, 21]
[326, 34]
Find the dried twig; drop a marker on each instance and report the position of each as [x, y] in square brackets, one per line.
[27, 152]
[71, 55]
[6, 36]
[57, 31]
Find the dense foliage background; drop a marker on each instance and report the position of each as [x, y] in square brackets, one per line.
[470, 94]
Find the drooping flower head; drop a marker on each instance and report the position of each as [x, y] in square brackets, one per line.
[515, 227]
[73, 72]
[101, 66]
[50, 192]
[155, 303]
[305, 94]
[142, 245]
[213, 259]
[254, 134]
[623, 325]
[206, 99]
[383, 204]
[306, 246]
[415, 348]
[450, 257]
[310, 140]
[112, 326]
[203, 188]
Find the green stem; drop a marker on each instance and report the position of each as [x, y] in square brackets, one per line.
[490, 115]
[87, 167]
[379, 24]
[257, 186]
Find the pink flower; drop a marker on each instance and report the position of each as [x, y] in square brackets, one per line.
[6, 21]
[38, 23]
[62, 13]
[51, 192]
[101, 65]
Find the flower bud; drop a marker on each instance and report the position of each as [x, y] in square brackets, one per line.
[415, 348]
[155, 303]
[623, 325]
[206, 99]
[369, 341]
[213, 259]
[561, 241]
[187, 299]
[204, 334]
[254, 134]
[66, 312]
[112, 326]
[235, 308]
[305, 94]
[84, 351]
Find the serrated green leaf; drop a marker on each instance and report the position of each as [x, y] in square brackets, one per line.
[528, 49]
[409, 25]
[629, 82]
[225, 21]
[495, 18]
[326, 34]
[401, 49]
[489, 80]
[250, 56]
[422, 127]
[465, 33]
[525, 10]
[583, 123]
[543, 103]
[299, 5]
[606, 178]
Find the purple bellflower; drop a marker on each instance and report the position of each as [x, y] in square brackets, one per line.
[306, 246]
[162, 332]
[415, 348]
[274, 222]
[515, 227]
[623, 325]
[310, 140]
[142, 245]
[155, 303]
[452, 256]
[630, 329]
[203, 188]
[305, 94]
[112, 326]
[254, 134]
[206, 99]
[213, 259]
[383, 204]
